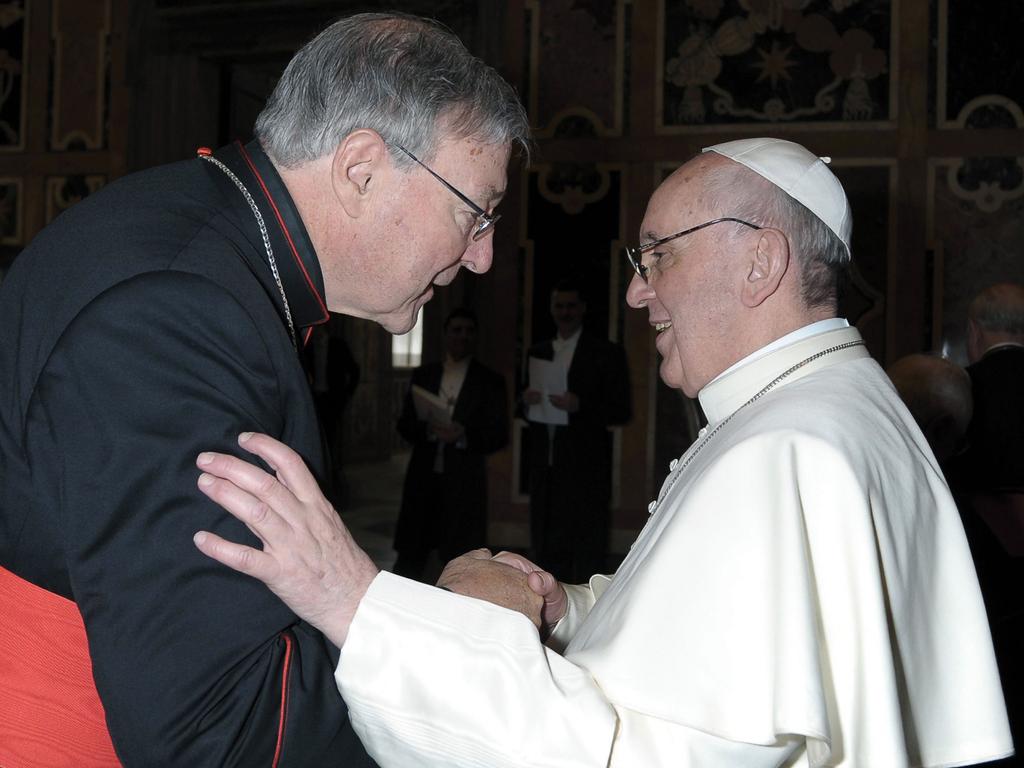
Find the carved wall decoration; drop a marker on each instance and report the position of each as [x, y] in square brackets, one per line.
[10, 212]
[736, 62]
[989, 93]
[80, 92]
[987, 182]
[64, 191]
[13, 49]
[573, 186]
[577, 60]
[974, 245]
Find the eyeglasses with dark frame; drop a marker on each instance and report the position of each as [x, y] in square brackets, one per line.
[485, 220]
[635, 254]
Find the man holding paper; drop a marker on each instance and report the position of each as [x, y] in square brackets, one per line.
[578, 388]
[455, 414]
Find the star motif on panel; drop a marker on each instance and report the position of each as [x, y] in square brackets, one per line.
[774, 64]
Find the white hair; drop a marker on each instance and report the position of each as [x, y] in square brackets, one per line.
[405, 77]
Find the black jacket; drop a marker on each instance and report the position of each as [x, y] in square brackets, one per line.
[140, 328]
[457, 521]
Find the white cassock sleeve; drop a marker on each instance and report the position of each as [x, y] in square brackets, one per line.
[436, 679]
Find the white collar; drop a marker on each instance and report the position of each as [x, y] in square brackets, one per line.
[558, 342]
[806, 331]
[733, 388]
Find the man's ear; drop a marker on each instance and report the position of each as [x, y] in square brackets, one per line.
[768, 265]
[359, 162]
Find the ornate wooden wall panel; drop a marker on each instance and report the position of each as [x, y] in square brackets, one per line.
[976, 236]
[580, 48]
[989, 91]
[729, 63]
[10, 213]
[81, 29]
[62, 109]
[975, 181]
[13, 94]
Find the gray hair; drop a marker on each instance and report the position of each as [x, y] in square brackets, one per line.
[407, 78]
[999, 308]
[734, 190]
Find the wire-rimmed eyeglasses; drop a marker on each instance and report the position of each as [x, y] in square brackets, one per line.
[485, 220]
[635, 254]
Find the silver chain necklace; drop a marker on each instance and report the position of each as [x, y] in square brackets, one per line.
[266, 243]
[678, 470]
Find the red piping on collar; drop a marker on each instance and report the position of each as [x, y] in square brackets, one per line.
[287, 234]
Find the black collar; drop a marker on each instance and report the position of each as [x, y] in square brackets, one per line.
[296, 259]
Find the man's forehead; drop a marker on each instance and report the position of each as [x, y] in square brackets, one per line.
[677, 202]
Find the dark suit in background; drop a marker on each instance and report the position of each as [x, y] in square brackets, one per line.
[571, 466]
[994, 458]
[333, 377]
[447, 510]
[988, 481]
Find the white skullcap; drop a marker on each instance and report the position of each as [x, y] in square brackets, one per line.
[800, 174]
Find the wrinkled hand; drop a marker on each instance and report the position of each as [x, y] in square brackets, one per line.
[309, 558]
[531, 397]
[556, 602]
[448, 433]
[567, 401]
[475, 574]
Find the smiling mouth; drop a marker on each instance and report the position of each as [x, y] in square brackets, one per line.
[659, 327]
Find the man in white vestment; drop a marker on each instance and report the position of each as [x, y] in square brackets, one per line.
[801, 595]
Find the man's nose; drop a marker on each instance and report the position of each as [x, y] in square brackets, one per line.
[638, 293]
[479, 255]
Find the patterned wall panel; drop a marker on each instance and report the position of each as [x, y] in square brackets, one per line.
[13, 50]
[64, 191]
[10, 212]
[80, 91]
[576, 65]
[989, 92]
[737, 62]
[976, 237]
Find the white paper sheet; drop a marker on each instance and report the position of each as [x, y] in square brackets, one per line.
[430, 407]
[548, 378]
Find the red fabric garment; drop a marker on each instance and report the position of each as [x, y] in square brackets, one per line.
[50, 712]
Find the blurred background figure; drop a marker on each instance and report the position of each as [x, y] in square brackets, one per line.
[937, 392]
[444, 498]
[994, 459]
[988, 481]
[571, 463]
[333, 377]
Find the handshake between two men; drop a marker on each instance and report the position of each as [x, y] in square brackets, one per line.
[310, 560]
